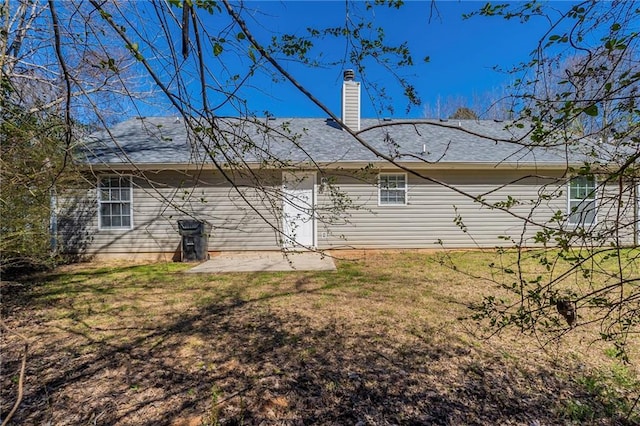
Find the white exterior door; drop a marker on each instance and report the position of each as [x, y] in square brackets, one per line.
[298, 209]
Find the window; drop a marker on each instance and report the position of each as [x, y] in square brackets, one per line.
[582, 200]
[114, 202]
[392, 189]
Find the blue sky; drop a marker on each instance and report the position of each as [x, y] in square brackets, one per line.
[462, 53]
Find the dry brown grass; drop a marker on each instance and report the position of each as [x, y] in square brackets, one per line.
[378, 342]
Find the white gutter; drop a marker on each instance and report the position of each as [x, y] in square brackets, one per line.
[350, 165]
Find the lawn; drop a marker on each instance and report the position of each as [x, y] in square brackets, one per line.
[386, 339]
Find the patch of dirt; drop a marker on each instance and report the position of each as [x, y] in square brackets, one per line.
[297, 350]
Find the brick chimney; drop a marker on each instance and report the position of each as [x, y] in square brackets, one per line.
[351, 101]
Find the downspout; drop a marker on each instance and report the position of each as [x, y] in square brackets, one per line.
[636, 211]
[53, 221]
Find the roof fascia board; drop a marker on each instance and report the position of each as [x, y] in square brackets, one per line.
[352, 165]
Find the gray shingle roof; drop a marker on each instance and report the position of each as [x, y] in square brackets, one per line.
[163, 140]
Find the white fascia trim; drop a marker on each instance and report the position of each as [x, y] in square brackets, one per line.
[349, 165]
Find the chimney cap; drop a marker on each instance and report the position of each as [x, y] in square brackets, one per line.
[349, 75]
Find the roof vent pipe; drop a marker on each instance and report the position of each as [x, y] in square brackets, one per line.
[349, 75]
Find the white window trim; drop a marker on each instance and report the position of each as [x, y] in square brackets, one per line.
[99, 198]
[595, 200]
[405, 189]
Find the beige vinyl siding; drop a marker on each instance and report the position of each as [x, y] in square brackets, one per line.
[427, 220]
[77, 217]
[160, 199]
[616, 212]
[351, 104]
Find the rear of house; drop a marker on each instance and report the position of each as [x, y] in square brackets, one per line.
[268, 184]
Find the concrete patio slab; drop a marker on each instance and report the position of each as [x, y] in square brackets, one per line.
[265, 261]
